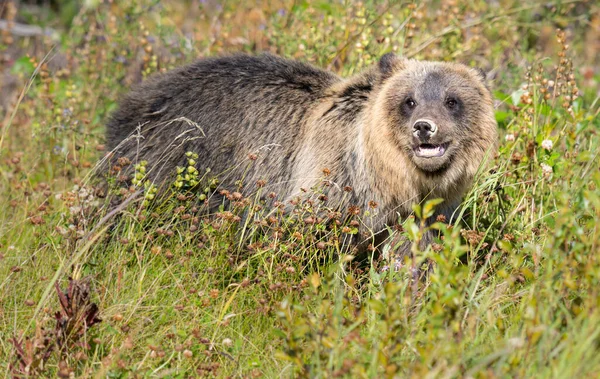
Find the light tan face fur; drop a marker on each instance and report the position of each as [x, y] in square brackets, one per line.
[432, 125]
[435, 110]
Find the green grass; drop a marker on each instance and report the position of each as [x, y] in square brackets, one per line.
[250, 292]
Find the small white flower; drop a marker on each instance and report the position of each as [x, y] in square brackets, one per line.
[546, 169]
[509, 137]
[547, 144]
[227, 342]
[516, 342]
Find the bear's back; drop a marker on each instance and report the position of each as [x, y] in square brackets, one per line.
[221, 108]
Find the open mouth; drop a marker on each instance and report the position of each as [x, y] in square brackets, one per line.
[427, 150]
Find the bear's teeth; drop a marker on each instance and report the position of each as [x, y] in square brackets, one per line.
[430, 151]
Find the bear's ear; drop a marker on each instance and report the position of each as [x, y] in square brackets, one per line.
[389, 64]
[481, 73]
[485, 76]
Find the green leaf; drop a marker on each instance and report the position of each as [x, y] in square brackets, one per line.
[516, 96]
[505, 246]
[527, 273]
[377, 306]
[23, 66]
[413, 230]
[429, 207]
[501, 95]
[417, 209]
[501, 116]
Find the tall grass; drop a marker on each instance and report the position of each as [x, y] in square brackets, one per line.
[257, 289]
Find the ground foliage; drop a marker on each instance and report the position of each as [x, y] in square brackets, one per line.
[158, 286]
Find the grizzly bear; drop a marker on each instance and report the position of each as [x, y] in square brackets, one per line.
[397, 134]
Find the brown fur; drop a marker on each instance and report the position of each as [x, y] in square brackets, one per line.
[300, 120]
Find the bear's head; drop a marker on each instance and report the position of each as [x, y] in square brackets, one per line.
[435, 111]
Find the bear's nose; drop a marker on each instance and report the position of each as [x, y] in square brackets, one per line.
[424, 129]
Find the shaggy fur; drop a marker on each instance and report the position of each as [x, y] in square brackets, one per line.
[299, 120]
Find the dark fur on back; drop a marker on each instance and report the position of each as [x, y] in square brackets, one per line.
[239, 105]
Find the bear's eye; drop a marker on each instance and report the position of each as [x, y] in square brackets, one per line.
[451, 102]
[410, 102]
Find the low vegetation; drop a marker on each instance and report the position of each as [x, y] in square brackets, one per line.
[123, 280]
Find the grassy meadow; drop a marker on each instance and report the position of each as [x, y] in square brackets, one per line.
[116, 281]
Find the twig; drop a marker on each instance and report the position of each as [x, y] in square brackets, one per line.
[24, 30]
[110, 214]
